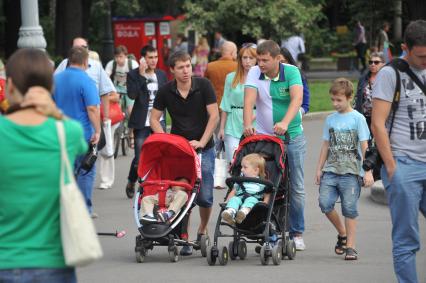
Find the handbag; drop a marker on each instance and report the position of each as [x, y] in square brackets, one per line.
[108, 149]
[220, 167]
[80, 242]
[115, 113]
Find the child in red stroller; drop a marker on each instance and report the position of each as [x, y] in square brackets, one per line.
[167, 161]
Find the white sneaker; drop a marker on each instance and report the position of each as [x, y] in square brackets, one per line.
[300, 244]
[228, 216]
[241, 214]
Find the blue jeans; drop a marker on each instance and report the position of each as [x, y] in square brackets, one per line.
[85, 181]
[205, 196]
[346, 186]
[140, 135]
[38, 275]
[406, 193]
[296, 151]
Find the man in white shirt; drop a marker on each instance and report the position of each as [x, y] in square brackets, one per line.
[296, 45]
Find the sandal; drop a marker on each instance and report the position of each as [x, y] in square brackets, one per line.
[351, 254]
[340, 247]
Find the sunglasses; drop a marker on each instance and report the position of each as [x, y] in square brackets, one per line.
[374, 62]
[249, 45]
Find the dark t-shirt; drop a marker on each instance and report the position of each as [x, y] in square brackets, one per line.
[189, 115]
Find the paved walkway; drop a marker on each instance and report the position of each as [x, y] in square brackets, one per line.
[317, 264]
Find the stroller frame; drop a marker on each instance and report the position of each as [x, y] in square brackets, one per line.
[168, 236]
[279, 248]
[159, 154]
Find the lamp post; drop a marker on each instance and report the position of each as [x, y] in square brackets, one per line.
[107, 41]
[30, 32]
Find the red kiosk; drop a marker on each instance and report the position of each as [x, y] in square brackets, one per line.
[136, 33]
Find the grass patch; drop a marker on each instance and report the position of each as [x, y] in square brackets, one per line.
[320, 99]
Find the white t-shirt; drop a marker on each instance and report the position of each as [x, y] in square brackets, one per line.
[152, 85]
[120, 76]
[295, 45]
[408, 137]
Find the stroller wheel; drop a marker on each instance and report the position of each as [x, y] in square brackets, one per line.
[291, 249]
[174, 254]
[204, 243]
[277, 253]
[140, 255]
[223, 255]
[264, 257]
[242, 250]
[233, 253]
[211, 257]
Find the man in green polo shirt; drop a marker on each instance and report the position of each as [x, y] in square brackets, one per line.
[277, 91]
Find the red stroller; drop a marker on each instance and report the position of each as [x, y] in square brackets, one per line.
[164, 157]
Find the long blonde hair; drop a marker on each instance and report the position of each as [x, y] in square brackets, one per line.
[203, 43]
[257, 161]
[239, 74]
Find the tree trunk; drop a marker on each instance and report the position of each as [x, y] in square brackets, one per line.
[107, 41]
[12, 12]
[69, 19]
[86, 6]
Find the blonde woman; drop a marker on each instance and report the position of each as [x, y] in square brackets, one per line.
[232, 104]
[201, 54]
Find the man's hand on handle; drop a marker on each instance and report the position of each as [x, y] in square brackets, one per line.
[249, 131]
[280, 128]
[196, 144]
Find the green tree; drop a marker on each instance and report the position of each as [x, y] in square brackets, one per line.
[372, 14]
[275, 19]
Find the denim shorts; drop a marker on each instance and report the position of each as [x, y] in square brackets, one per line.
[205, 196]
[347, 187]
[30, 275]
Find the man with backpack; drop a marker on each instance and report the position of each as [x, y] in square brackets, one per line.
[398, 125]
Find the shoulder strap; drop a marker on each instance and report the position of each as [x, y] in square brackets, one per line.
[416, 79]
[65, 162]
[129, 62]
[114, 69]
[396, 64]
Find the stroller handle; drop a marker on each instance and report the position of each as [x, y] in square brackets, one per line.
[166, 184]
[232, 180]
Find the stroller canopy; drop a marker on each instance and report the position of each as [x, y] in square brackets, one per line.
[167, 157]
[270, 147]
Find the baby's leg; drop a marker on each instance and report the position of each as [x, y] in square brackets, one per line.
[234, 203]
[232, 206]
[249, 203]
[245, 209]
[147, 205]
[178, 201]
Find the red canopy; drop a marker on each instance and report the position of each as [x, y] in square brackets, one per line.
[167, 157]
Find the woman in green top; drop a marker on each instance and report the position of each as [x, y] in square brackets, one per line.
[231, 119]
[30, 239]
